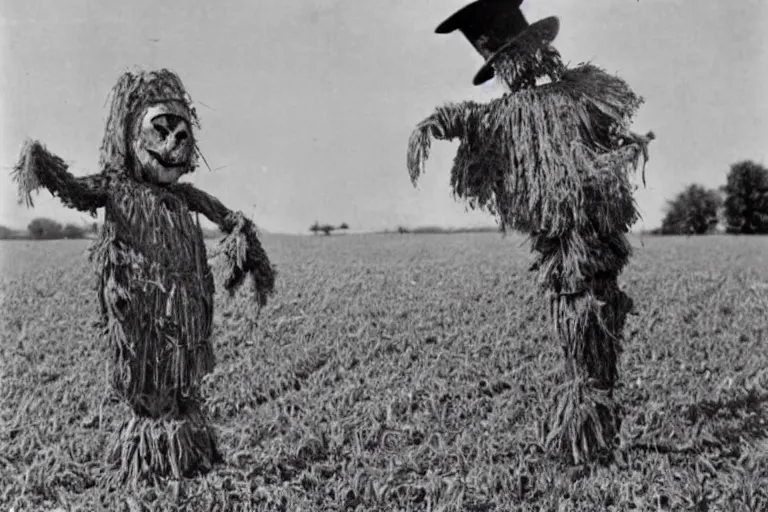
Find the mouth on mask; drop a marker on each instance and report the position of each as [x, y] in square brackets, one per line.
[164, 162]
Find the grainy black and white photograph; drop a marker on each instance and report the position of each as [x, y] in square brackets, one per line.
[402, 255]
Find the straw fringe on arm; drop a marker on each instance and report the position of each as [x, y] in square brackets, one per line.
[446, 123]
[38, 168]
[241, 248]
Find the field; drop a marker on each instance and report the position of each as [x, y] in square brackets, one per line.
[405, 372]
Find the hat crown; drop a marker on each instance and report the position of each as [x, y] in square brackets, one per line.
[496, 28]
[487, 24]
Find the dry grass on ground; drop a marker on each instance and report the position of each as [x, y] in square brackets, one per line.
[405, 373]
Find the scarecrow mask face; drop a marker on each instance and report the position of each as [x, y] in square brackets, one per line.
[163, 144]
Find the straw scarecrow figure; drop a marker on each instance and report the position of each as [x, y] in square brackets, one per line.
[552, 160]
[156, 288]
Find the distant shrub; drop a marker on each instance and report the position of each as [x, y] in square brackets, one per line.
[73, 231]
[746, 199]
[326, 229]
[693, 212]
[45, 229]
[437, 230]
[7, 233]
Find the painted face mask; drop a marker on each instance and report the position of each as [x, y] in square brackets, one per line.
[164, 145]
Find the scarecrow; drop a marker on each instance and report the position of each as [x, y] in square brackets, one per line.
[552, 158]
[156, 288]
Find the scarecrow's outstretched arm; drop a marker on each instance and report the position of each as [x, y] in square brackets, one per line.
[241, 247]
[446, 123]
[629, 152]
[37, 168]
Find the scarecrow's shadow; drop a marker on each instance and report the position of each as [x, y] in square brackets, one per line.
[744, 417]
[722, 424]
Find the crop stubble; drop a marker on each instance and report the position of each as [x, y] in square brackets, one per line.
[404, 372]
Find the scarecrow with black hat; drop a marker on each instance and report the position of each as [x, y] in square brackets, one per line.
[156, 289]
[552, 158]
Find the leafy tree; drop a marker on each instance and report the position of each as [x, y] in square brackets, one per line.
[45, 229]
[73, 231]
[693, 212]
[7, 233]
[315, 228]
[746, 198]
[344, 225]
[327, 229]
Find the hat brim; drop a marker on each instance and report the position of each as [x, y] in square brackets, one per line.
[537, 35]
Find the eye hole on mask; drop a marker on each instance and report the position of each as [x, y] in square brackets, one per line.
[166, 125]
[162, 130]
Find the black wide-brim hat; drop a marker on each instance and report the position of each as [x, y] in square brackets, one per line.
[498, 27]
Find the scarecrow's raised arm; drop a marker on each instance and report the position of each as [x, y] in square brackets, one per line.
[241, 247]
[37, 168]
[446, 123]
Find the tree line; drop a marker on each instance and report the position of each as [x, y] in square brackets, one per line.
[327, 229]
[43, 228]
[48, 229]
[740, 206]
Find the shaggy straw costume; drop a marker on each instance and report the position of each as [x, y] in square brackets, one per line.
[552, 161]
[156, 288]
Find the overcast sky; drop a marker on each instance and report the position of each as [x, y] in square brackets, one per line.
[306, 106]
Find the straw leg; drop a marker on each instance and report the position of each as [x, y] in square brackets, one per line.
[158, 360]
[167, 433]
[145, 448]
[585, 419]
